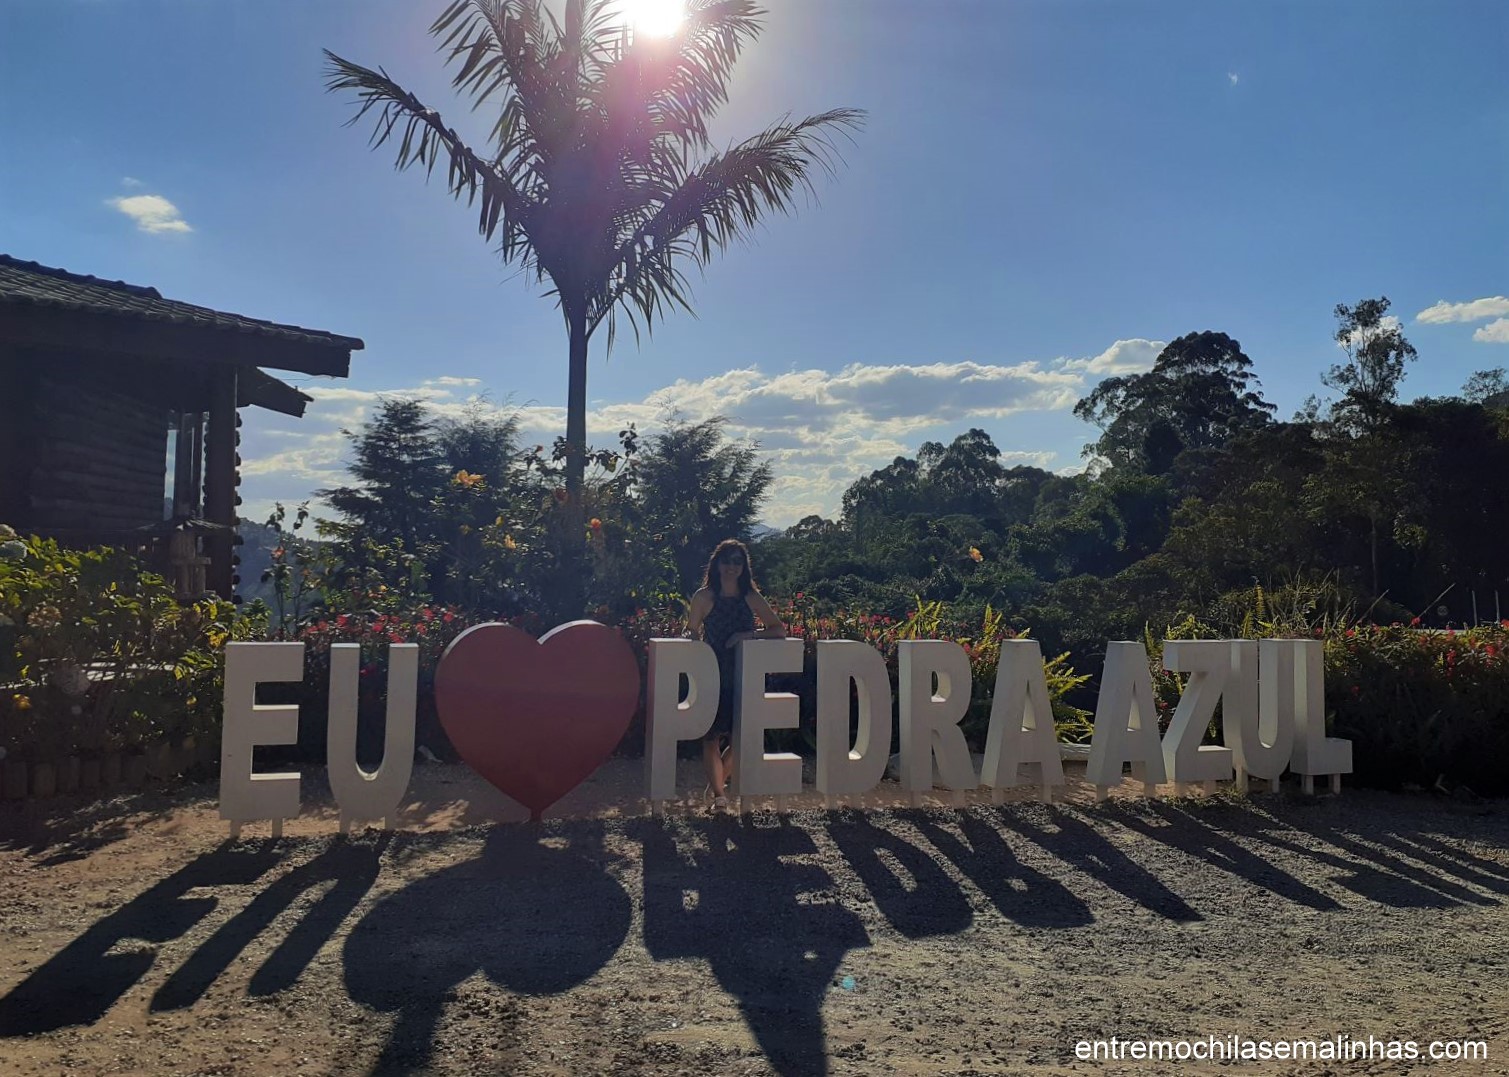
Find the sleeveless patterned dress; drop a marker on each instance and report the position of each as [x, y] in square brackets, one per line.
[730, 614]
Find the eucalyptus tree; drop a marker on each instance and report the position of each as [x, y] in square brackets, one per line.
[1200, 393]
[599, 176]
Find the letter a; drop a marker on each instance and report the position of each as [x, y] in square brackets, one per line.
[1021, 722]
[1126, 722]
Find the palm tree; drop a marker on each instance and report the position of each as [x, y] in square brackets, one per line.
[591, 178]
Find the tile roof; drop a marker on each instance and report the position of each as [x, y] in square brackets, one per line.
[28, 283]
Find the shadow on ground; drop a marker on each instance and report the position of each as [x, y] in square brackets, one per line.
[539, 910]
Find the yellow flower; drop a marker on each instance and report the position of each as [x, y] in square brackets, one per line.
[23, 703]
[467, 479]
[975, 554]
[509, 543]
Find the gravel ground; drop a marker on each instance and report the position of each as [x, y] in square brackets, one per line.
[987, 940]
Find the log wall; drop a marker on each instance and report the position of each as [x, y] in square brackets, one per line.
[17, 391]
[97, 443]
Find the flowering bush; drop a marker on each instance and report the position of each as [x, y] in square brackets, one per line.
[374, 630]
[96, 655]
[1422, 706]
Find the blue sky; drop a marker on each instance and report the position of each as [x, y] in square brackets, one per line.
[1044, 193]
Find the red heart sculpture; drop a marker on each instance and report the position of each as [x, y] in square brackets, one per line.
[536, 718]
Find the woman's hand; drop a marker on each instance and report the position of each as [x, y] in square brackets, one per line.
[759, 633]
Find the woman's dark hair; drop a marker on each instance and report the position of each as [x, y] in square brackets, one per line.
[746, 577]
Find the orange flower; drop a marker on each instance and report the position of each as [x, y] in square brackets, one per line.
[975, 554]
[595, 524]
[23, 703]
[467, 479]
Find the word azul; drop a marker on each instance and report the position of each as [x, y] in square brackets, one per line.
[1271, 691]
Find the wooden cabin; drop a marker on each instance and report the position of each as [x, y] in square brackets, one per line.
[101, 380]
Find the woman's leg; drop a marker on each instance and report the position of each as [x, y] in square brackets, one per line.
[712, 762]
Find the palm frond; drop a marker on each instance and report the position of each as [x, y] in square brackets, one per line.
[678, 85]
[425, 140]
[711, 206]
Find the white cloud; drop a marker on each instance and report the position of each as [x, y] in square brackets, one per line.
[1135, 356]
[1233, 77]
[820, 430]
[1492, 307]
[151, 212]
[1496, 332]
[130, 181]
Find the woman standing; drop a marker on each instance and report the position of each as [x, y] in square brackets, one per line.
[723, 614]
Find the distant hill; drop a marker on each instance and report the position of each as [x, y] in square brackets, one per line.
[256, 558]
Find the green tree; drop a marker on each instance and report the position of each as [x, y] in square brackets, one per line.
[1200, 393]
[1376, 353]
[1363, 456]
[591, 180]
[1487, 387]
[696, 488]
[399, 468]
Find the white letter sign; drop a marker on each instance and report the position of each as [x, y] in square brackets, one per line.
[930, 721]
[756, 710]
[359, 794]
[245, 796]
[1021, 722]
[1126, 722]
[843, 770]
[1314, 752]
[1207, 662]
[670, 718]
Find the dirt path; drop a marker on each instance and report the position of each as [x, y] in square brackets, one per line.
[930, 941]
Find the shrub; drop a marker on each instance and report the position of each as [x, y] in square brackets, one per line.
[96, 655]
[1422, 706]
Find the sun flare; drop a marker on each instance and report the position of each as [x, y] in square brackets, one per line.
[657, 18]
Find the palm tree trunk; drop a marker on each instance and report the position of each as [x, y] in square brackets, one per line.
[573, 560]
[576, 406]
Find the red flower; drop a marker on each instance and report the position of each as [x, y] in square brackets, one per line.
[447, 616]
[1415, 623]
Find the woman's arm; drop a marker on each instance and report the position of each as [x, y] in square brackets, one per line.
[770, 625]
[697, 612]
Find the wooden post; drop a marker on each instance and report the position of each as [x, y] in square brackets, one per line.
[220, 478]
